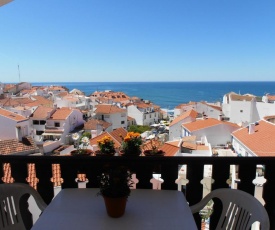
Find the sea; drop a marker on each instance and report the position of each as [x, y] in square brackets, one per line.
[170, 94]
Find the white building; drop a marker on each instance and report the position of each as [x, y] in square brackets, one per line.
[13, 126]
[144, 113]
[257, 139]
[112, 114]
[212, 110]
[61, 123]
[214, 131]
[175, 128]
[246, 109]
[38, 121]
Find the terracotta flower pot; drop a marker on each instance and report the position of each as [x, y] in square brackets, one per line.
[83, 152]
[151, 153]
[115, 207]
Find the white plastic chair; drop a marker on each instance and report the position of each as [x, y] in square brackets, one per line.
[240, 209]
[11, 216]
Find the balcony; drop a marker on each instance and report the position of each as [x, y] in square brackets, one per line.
[144, 168]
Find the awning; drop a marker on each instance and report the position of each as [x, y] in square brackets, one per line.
[52, 134]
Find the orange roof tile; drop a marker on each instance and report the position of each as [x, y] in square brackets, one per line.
[189, 145]
[94, 140]
[191, 113]
[271, 97]
[148, 145]
[42, 112]
[201, 124]
[92, 124]
[169, 149]
[61, 114]
[189, 138]
[262, 141]
[11, 115]
[119, 134]
[109, 109]
[212, 106]
[14, 146]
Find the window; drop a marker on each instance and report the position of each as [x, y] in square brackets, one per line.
[42, 122]
[122, 122]
[241, 111]
[35, 122]
[56, 124]
[39, 132]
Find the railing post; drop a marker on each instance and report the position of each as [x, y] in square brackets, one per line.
[194, 189]
[268, 193]
[220, 173]
[247, 173]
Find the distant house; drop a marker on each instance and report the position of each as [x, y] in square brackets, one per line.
[110, 97]
[213, 131]
[112, 114]
[144, 113]
[212, 110]
[13, 126]
[96, 127]
[175, 128]
[61, 123]
[39, 119]
[256, 139]
[130, 121]
[72, 101]
[12, 89]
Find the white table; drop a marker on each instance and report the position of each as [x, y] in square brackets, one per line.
[81, 209]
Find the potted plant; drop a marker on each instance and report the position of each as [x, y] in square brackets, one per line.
[106, 146]
[131, 144]
[115, 187]
[81, 146]
[152, 148]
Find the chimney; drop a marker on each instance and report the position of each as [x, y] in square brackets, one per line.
[18, 133]
[251, 128]
[99, 128]
[93, 133]
[220, 117]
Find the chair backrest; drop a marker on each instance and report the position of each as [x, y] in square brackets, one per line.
[240, 209]
[11, 205]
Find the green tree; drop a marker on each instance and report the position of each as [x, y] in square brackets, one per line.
[86, 134]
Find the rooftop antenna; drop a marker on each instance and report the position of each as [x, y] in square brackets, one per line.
[18, 72]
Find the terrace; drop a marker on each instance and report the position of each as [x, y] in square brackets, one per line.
[144, 167]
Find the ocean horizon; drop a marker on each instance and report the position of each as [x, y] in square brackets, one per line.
[170, 94]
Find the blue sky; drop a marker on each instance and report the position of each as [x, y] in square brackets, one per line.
[137, 40]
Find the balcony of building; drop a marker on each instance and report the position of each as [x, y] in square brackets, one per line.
[50, 173]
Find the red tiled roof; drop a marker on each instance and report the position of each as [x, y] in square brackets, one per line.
[14, 146]
[94, 140]
[61, 114]
[91, 124]
[212, 106]
[191, 113]
[262, 141]
[271, 97]
[109, 109]
[11, 115]
[169, 149]
[119, 134]
[201, 124]
[189, 138]
[42, 112]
